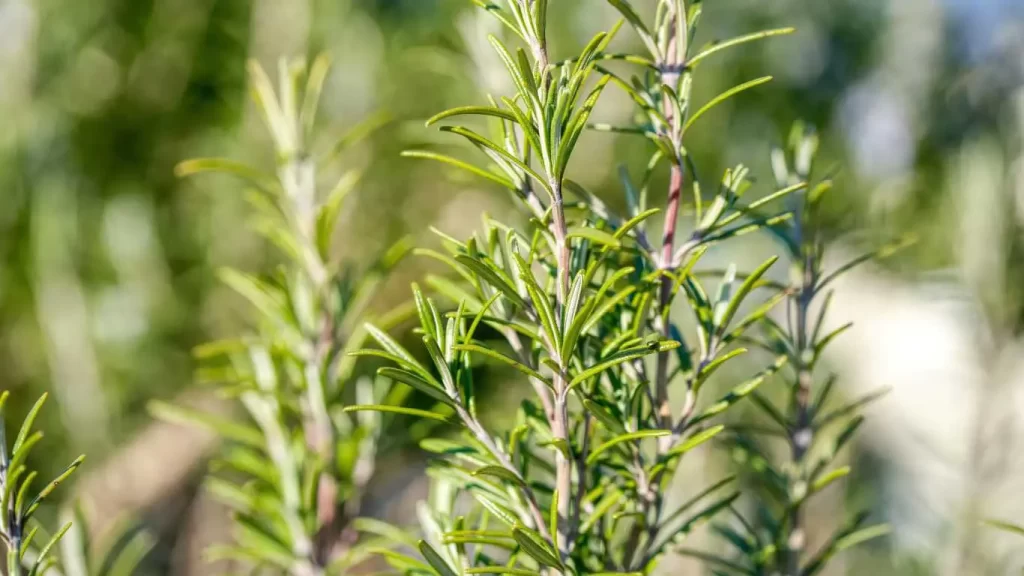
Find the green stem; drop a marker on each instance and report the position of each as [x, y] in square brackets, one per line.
[801, 435]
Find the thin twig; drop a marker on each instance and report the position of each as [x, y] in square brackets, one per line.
[484, 438]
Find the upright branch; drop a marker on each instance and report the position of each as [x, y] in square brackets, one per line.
[804, 421]
[290, 375]
[669, 64]
[548, 93]
[805, 272]
[581, 297]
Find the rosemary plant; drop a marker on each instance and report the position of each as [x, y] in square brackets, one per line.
[19, 502]
[578, 301]
[296, 475]
[814, 430]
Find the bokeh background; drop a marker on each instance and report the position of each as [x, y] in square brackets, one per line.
[107, 261]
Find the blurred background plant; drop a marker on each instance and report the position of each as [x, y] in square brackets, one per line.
[108, 279]
[295, 475]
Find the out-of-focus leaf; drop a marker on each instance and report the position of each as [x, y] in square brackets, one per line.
[226, 428]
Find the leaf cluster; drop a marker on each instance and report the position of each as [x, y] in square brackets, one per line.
[578, 303]
[28, 552]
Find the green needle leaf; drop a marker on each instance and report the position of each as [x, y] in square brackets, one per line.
[496, 178]
[501, 358]
[623, 356]
[533, 544]
[226, 428]
[723, 97]
[473, 111]
[435, 559]
[397, 410]
[639, 435]
[719, 46]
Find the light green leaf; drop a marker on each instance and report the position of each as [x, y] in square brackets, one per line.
[26, 425]
[717, 363]
[492, 277]
[744, 290]
[635, 221]
[473, 111]
[356, 134]
[397, 410]
[715, 560]
[226, 428]
[850, 408]
[848, 537]
[265, 298]
[500, 152]
[261, 180]
[826, 480]
[627, 11]
[594, 235]
[44, 553]
[502, 570]
[1005, 526]
[503, 359]
[53, 485]
[393, 347]
[499, 511]
[719, 46]
[374, 526]
[738, 393]
[496, 178]
[314, 88]
[695, 440]
[723, 97]
[601, 509]
[629, 437]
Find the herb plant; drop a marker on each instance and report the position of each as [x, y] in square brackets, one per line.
[574, 298]
[295, 477]
[811, 427]
[578, 301]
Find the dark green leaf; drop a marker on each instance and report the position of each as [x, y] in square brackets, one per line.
[621, 357]
[432, 389]
[500, 472]
[533, 544]
[435, 560]
[739, 392]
